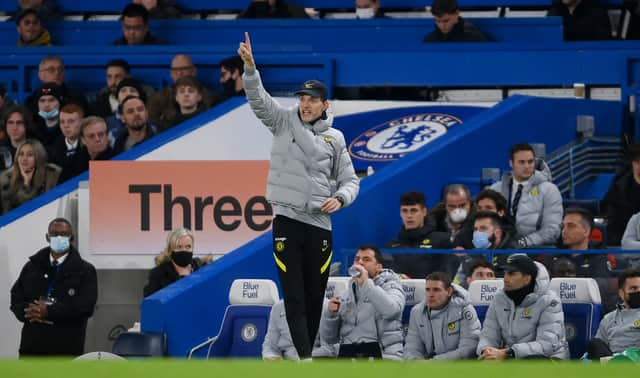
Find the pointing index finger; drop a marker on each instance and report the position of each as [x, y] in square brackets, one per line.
[247, 39]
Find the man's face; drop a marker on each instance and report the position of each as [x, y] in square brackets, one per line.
[29, 28]
[522, 165]
[631, 285]
[134, 113]
[95, 138]
[436, 295]
[70, 124]
[515, 280]
[635, 166]
[48, 103]
[16, 128]
[311, 108]
[485, 225]
[447, 21]
[134, 30]
[481, 273]
[115, 75]
[367, 258]
[413, 216]
[51, 71]
[574, 231]
[188, 97]
[226, 75]
[181, 66]
[457, 200]
[487, 204]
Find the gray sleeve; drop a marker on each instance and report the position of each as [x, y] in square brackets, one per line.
[414, 348]
[549, 333]
[270, 344]
[264, 107]
[330, 327]
[490, 336]
[631, 237]
[603, 328]
[551, 217]
[469, 336]
[348, 182]
[387, 300]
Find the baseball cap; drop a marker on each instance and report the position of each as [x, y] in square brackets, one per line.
[521, 263]
[313, 88]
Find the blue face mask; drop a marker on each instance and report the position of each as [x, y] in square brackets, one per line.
[49, 115]
[59, 244]
[481, 240]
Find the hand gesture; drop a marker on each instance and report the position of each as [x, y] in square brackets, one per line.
[245, 51]
[334, 305]
[330, 205]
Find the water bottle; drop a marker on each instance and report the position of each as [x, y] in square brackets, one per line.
[354, 272]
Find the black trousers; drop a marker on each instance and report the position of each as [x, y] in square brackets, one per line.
[303, 254]
[597, 349]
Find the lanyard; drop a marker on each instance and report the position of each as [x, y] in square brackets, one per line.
[52, 279]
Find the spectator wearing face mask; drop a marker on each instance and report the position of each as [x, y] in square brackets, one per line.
[175, 261]
[618, 330]
[368, 9]
[231, 70]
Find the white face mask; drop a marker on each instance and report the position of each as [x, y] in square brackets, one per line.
[59, 244]
[365, 12]
[458, 215]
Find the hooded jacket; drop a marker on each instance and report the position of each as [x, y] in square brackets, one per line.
[539, 213]
[369, 313]
[620, 329]
[309, 162]
[534, 328]
[447, 334]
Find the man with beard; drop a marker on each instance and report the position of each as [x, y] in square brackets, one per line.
[231, 70]
[525, 319]
[620, 329]
[136, 119]
[414, 233]
[106, 103]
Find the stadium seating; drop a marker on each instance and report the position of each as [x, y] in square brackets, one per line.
[414, 293]
[582, 308]
[140, 344]
[245, 321]
[482, 293]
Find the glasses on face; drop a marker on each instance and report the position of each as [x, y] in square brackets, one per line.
[53, 69]
[137, 28]
[98, 135]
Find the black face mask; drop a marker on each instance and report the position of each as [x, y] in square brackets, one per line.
[182, 258]
[634, 300]
[262, 9]
[518, 295]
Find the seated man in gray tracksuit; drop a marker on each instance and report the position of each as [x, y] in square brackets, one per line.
[445, 326]
[367, 319]
[278, 344]
[620, 329]
[525, 319]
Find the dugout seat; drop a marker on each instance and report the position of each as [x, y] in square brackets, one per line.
[582, 307]
[482, 293]
[245, 320]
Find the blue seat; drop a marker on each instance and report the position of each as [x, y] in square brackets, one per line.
[140, 344]
[245, 320]
[582, 308]
[482, 293]
[413, 294]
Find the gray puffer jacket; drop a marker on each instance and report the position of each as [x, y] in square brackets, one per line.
[539, 214]
[309, 163]
[369, 313]
[535, 328]
[447, 334]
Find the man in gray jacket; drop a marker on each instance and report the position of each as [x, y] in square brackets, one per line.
[620, 329]
[310, 177]
[525, 319]
[533, 200]
[367, 319]
[445, 326]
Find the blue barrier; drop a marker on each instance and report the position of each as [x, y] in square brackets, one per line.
[180, 310]
[316, 35]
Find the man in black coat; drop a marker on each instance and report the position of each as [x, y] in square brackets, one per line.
[450, 26]
[623, 198]
[54, 296]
